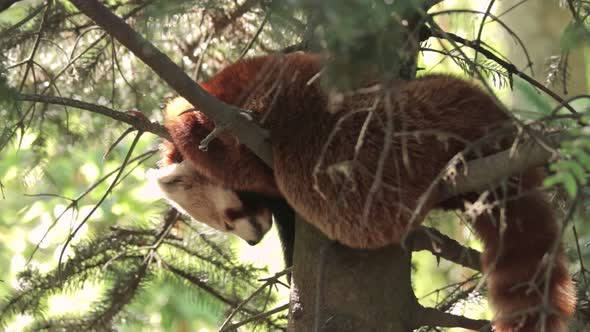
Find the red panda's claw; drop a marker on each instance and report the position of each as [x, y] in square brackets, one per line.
[212, 135]
[248, 114]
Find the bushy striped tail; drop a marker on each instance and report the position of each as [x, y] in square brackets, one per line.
[525, 266]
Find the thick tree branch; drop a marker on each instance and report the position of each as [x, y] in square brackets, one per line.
[475, 176]
[435, 317]
[489, 171]
[224, 115]
[138, 122]
[5, 4]
[426, 238]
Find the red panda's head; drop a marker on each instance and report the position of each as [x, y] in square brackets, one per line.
[220, 208]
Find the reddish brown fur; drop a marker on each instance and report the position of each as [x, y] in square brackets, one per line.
[301, 122]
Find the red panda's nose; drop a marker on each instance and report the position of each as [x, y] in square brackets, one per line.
[253, 242]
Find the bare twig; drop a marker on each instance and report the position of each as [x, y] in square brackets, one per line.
[481, 25]
[104, 196]
[271, 312]
[74, 202]
[494, 19]
[117, 141]
[204, 285]
[223, 21]
[269, 282]
[20, 124]
[510, 68]
[256, 35]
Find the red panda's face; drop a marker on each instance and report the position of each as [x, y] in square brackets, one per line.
[213, 205]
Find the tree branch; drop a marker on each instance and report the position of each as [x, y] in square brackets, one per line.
[223, 21]
[426, 238]
[435, 317]
[258, 317]
[5, 4]
[227, 326]
[204, 285]
[224, 115]
[510, 68]
[430, 3]
[489, 171]
[139, 122]
[475, 176]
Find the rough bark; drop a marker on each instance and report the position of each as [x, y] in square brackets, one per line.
[335, 288]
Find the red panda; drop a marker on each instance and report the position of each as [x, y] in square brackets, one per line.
[355, 168]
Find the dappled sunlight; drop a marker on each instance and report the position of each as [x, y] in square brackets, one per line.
[19, 323]
[76, 302]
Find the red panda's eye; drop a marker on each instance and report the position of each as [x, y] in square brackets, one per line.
[233, 214]
[174, 181]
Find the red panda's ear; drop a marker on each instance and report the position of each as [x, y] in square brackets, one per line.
[207, 126]
[176, 107]
[170, 154]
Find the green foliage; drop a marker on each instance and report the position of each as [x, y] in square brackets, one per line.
[8, 109]
[489, 69]
[571, 170]
[364, 37]
[120, 262]
[577, 33]
[574, 36]
[539, 102]
[164, 9]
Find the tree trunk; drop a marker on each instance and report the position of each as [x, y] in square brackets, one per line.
[335, 288]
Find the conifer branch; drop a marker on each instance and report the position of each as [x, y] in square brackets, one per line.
[222, 114]
[131, 118]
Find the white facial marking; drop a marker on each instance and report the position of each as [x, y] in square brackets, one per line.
[252, 229]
